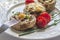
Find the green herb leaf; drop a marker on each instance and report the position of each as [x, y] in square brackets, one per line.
[27, 16]
[16, 13]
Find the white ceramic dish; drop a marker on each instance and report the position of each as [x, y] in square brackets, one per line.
[50, 32]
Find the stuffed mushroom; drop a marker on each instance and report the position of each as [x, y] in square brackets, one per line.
[34, 8]
[49, 4]
[25, 21]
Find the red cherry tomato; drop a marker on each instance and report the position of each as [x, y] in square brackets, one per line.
[46, 15]
[43, 19]
[41, 22]
[29, 1]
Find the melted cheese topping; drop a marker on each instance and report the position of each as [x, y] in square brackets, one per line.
[35, 7]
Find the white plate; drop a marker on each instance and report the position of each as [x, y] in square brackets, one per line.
[50, 32]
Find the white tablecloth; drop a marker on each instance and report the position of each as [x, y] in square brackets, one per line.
[5, 36]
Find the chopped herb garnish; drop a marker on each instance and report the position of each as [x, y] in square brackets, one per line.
[56, 22]
[26, 33]
[16, 13]
[27, 16]
[29, 32]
